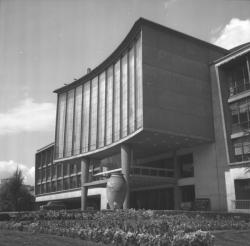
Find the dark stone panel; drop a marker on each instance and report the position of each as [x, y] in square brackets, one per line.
[191, 49]
[174, 82]
[183, 103]
[170, 61]
[178, 123]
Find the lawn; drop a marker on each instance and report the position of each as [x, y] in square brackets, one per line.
[232, 238]
[16, 238]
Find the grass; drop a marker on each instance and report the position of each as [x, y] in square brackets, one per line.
[232, 238]
[17, 238]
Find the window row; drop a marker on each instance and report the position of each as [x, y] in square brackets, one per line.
[59, 185]
[57, 171]
[45, 157]
[239, 77]
[241, 148]
[103, 110]
[240, 113]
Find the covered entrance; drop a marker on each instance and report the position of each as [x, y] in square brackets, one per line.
[160, 199]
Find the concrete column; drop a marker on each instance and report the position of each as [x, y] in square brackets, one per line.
[177, 190]
[84, 179]
[125, 164]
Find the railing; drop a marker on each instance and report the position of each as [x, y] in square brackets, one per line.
[151, 171]
[239, 88]
[241, 204]
[137, 170]
[104, 175]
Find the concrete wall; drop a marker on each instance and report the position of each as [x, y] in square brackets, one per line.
[230, 176]
[75, 194]
[206, 175]
[176, 84]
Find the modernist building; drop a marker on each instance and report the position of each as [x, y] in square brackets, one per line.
[165, 109]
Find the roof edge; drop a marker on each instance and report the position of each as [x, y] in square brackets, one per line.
[125, 43]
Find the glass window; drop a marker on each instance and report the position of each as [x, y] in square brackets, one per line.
[117, 102]
[124, 95]
[69, 123]
[78, 115]
[186, 165]
[138, 60]
[188, 193]
[101, 110]
[53, 186]
[59, 170]
[85, 121]
[60, 125]
[93, 126]
[109, 105]
[131, 91]
[78, 180]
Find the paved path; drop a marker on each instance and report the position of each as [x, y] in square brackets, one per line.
[232, 238]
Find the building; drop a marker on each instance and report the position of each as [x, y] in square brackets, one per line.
[232, 75]
[158, 109]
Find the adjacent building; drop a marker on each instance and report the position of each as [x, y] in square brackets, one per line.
[165, 110]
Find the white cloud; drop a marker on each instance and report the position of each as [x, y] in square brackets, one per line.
[28, 116]
[167, 3]
[235, 33]
[7, 168]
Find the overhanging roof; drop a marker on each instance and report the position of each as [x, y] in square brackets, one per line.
[137, 27]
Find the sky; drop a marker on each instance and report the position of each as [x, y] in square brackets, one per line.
[47, 43]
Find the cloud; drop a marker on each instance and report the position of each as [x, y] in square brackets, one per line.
[7, 168]
[167, 3]
[28, 116]
[235, 33]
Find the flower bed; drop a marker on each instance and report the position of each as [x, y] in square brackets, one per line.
[130, 227]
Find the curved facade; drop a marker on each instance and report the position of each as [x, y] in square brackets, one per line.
[103, 110]
[151, 111]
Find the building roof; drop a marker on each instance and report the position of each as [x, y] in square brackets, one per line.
[45, 147]
[234, 53]
[137, 27]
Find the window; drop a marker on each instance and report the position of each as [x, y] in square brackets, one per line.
[69, 123]
[94, 101]
[59, 170]
[78, 115]
[124, 95]
[188, 193]
[131, 90]
[241, 148]
[85, 119]
[101, 110]
[117, 113]
[109, 105]
[61, 111]
[238, 78]
[186, 166]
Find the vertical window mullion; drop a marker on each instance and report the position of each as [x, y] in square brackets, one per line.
[97, 113]
[135, 85]
[73, 127]
[105, 108]
[81, 131]
[65, 125]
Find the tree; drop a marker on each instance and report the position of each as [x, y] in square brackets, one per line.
[14, 195]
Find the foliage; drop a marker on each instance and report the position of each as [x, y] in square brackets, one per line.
[14, 196]
[129, 227]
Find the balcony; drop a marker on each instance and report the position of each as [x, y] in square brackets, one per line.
[241, 87]
[140, 176]
[241, 205]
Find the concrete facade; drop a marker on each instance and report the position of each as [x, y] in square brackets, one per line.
[158, 111]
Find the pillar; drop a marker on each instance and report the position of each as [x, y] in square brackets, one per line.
[125, 164]
[177, 190]
[84, 179]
